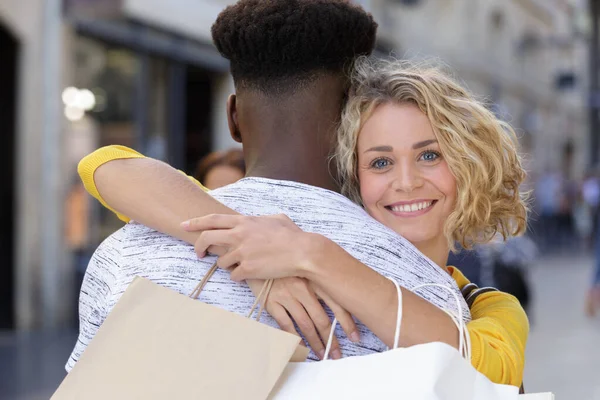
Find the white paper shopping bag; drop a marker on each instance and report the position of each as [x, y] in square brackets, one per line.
[536, 396]
[433, 371]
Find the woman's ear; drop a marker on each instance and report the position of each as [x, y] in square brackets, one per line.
[232, 121]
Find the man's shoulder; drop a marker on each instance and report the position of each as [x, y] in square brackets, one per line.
[132, 231]
[137, 250]
[261, 195]
[135, 238]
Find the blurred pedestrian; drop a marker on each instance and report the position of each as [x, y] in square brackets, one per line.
[511, 260]
[77, 224]
[583, 219]
[592, 302]
[548, 197]
[221, 168]
[590, 192]
[77, 209]
[500, 263]
[567, 230]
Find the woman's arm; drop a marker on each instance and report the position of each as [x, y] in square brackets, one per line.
[274, 247]
[278, 248]
[147, 190]
[90, 163]
[498, 331]
[372, 298]
[156, 195]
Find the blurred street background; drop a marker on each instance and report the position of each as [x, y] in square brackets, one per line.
[79, 74]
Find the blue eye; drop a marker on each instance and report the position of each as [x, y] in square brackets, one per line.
[380, 163]
[430, 155]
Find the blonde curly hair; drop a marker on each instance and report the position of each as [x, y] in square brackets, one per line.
[480, 150]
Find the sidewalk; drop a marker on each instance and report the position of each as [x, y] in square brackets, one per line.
[32, 364]
[563, 354]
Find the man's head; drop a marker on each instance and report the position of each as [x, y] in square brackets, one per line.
[289, 61]
[277, 47]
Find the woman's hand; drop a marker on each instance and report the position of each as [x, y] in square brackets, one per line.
[276, 242]
[294, 300]
[268, 247]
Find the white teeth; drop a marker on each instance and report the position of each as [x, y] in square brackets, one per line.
[412, 207]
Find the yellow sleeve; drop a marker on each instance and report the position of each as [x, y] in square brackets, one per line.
[90, 163]
[499, 330]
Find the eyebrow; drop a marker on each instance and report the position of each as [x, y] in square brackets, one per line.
[415, 146]
[381, 148]
[423, 143]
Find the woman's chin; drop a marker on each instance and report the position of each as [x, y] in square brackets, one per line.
[418, 239]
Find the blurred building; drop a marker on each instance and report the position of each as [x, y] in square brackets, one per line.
[79, 74]
[527, 57]
[76, 75]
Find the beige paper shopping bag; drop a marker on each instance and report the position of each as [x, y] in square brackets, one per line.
[158, 344]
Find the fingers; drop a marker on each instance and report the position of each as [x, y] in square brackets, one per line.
[293, 300]
[306, 326]
[212, 238]
[217, 250]
[344, 318]
[321, 321]
[229, 260]
[281, 317]
[213, 221]
[239, 273]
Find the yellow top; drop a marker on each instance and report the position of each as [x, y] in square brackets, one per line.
[498, 331]
[499, 328]
[90, 163]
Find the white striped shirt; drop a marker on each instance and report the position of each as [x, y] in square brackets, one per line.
[136, 250]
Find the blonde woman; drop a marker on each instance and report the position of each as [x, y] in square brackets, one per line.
[417, 152]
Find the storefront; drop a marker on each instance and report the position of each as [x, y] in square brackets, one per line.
[139, 84]
[77, 75]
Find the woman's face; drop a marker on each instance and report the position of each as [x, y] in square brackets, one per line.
[405, 182]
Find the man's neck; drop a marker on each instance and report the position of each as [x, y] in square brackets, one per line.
[314, 177]
[295, 154]
[292, 139]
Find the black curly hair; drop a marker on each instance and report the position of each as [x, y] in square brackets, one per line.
[277, 46]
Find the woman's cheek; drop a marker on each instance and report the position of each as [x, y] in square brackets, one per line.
[450, 189]
[369, 190]
[364, 187]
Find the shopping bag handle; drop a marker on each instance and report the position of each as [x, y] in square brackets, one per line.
[398, 323]
[263, 294]
[464, 344]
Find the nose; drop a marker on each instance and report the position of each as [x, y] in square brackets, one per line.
[407, 178]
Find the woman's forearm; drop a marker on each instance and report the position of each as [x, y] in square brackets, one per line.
[373, 299]
[155, 194]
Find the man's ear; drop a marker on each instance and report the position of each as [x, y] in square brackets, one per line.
[232, 120]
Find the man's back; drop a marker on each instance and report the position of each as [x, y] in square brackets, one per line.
[137, 250]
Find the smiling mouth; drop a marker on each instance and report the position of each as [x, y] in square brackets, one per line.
[412, 209]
